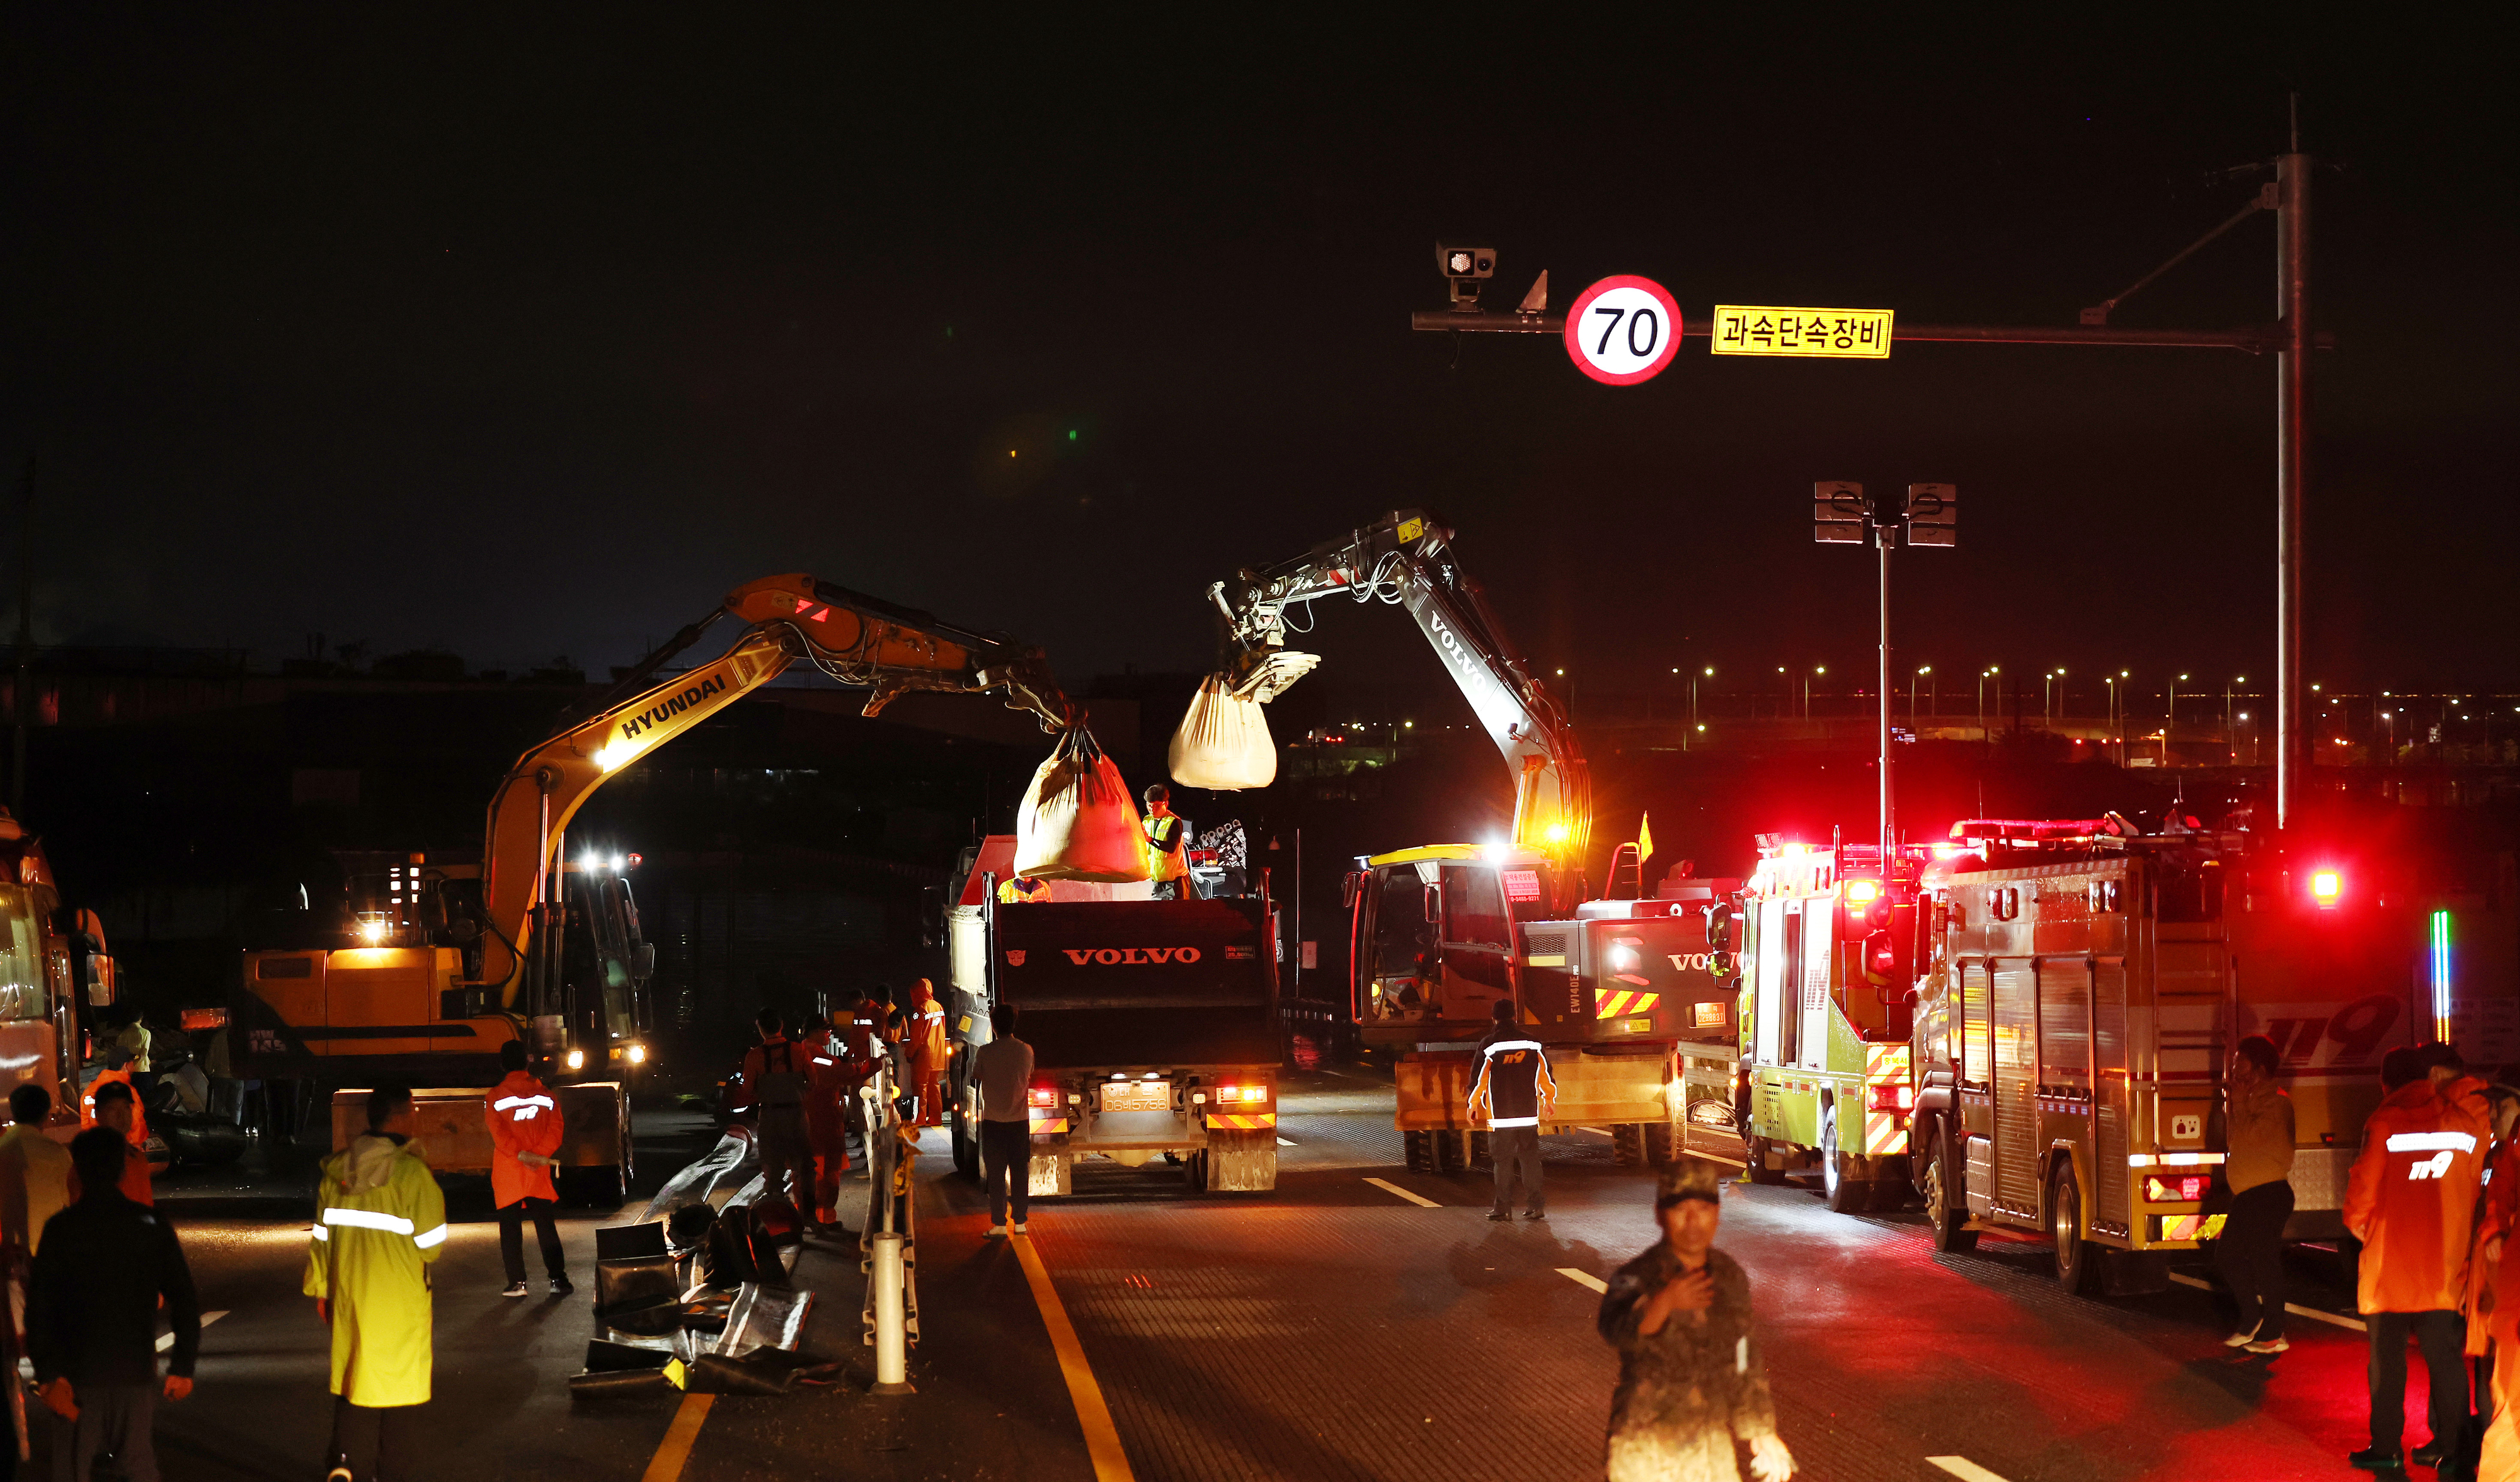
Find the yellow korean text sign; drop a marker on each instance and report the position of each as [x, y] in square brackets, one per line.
[1841, 334]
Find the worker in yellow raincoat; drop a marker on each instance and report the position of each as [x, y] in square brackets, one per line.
[379, 1222]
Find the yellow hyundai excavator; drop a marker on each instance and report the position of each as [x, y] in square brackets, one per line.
[440, 963]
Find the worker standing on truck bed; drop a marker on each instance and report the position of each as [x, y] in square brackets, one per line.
[1514, 1092]
[1167, 844]
[524, 1137]
[1690, 1379]
[2410, 1200]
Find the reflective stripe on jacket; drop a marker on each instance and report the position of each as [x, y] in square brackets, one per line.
[1514, 1080]
[2411, 1200]
[380, 1221]
[525, 1118]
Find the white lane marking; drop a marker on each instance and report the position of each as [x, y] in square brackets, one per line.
[166, 1340]
[2295, 1308]
[1604, 1131]
[1389, 1188]
[1285, 1143]
[1964, 1469]
[1583, 1278]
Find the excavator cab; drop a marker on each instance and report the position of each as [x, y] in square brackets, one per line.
[1435, 933]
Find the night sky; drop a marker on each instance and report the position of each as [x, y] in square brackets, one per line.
[527, 336]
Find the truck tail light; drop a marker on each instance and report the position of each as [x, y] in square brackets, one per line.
[1234, 1095]
[2326, 886]
[1042, 1096]
[1863, 892]
[2187, 1190]
[1890, 1095]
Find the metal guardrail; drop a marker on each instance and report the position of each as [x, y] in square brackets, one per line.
[889, 1242]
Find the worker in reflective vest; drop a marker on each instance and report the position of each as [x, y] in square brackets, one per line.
[379, 1222]
[828, 1086]
[2410, 1200]
[1515, 1095]
[774, 1077]
[927, 1050]
[524, 1144]
[1167, 854]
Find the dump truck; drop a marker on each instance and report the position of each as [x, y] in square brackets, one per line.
[1154, 1024]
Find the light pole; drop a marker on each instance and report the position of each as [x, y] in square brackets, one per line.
[1707, 673]
[1819, 669]
[2228, 733]
[1995, 672]
[2253, 742]
[2170, 718]
[1911, 694]
[2047, 697]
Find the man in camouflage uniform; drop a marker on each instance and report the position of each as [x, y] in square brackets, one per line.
[1690, 1379]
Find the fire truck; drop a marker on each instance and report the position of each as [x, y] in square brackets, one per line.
[2081, 985]
[1826, 1077]
[1442, 933]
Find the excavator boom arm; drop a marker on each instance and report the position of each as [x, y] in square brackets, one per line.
[860, 641]
[1407, 559]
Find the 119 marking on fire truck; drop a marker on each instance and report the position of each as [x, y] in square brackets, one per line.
[1623, 330]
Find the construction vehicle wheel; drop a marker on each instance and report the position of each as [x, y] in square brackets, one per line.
[1417, 1151]
[1760, 1172]
[967, 1148]
[1949, 1225]
[1450, 1154]
[2078, 1260]
[1627, 1143]
[1480, 1155]
[1662, 1144]
[1193, 1169]
[1846, 1193]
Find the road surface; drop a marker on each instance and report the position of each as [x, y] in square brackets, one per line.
[1362, 1323]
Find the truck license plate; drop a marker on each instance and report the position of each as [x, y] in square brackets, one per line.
[1137, 1096]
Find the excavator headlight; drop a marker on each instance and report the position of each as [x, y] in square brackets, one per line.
[576, 1059]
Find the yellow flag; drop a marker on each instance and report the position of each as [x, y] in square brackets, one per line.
[1645, 839]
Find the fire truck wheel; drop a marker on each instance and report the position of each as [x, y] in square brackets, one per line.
[1846, 1193]
[1760, 1170]
[1948, 1224]
[2078, 1261]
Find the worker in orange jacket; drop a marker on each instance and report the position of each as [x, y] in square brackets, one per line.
[111, 1102]
[2411, 1202]
[828, 1085]
[524, 1143]
[2492, 1301]
[926, 1051]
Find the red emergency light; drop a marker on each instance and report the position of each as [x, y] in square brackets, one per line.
[1861, 892]
[2326, 887]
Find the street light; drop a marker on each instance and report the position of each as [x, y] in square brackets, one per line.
[1995, 672]
[1911, 692]
[2047, 696]
[1807, 678]
[2226, 706]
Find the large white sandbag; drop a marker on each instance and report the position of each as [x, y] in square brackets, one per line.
[1077, 821]
[1223, 741]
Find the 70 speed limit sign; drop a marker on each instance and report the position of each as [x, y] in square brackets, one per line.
[1623, 330]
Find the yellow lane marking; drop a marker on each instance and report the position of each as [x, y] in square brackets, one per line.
[1390, 1187]
[1583, 1278]
[1101, 1437]
[2295, 1308]
[1964, 1469]
[667, 1465]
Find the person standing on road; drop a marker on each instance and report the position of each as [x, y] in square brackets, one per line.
[36, 1175]
[118, 1105]
[927, 1051]
[2258, 1169]
[1003, 1067]
[774, 1076]
[92, 1318]
[1691, 1383]
[525, 1138]
[1167, 844]
[1516, 1093]
[379, 1224]
[2410, 1200]
[828, 1090]
[2493, 1307]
